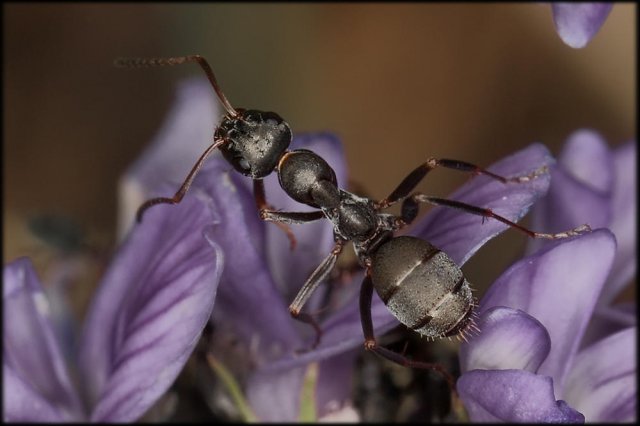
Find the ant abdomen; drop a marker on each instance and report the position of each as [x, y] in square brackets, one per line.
[254, 141]
[422, 287]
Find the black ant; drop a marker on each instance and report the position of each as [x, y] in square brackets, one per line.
[422, 287]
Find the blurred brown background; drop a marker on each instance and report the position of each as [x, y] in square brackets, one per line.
[398, 83]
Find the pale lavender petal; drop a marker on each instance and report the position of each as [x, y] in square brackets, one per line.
[276, 396]
[461, 234]
[581, 187]
[624, 222]
[602, 383]
[508, 339]
[577, 23]
[558, 286]
[314, 239]
[249, 303]
[150, 310]
[513, 396]
[32, 358]
[587, 158]
[186, 133]
[24, 404]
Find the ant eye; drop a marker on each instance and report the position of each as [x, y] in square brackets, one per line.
[244, 164]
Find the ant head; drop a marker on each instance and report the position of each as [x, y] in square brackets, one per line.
[254, 141]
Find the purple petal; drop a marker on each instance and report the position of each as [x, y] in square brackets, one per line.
[461, 234]
[186, 133]
[315, 239]
[276, 396]
[513, 396]
[558, 286]
[609, 319]
[37, 386]
[23, 403]
[602, 382]
[587, 158]
[335, 378]
[581, 187]
[624, 222]
[150, 310]
[249, 303]
[508, 339]
[577, 23]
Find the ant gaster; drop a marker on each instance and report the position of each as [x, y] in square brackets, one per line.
[422, 287]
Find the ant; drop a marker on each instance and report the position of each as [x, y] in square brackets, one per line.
[421, 285]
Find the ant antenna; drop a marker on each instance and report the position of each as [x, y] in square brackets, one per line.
[177, 60]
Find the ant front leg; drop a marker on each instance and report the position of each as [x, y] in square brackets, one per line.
[412, 180]
[410, 207]
[185, 185]
[370, 344]
[315, 279]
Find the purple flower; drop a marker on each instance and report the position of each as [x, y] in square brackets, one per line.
[253, 330]
[577, 23]
[553, 347]
[597, 185]
[526, 365]
[143, 323]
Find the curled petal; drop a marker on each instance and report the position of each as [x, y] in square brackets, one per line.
[149, 310]
[36, 383]
[508, 339]
[558, 286]
[460, 234]
[513, 396]
[602, 382]
[187, 132]
[577, 23]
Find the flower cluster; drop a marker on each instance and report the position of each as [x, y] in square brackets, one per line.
[553, 347]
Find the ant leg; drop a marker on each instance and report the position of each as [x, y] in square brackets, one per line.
[185, 185]
[421, 198]
[370, 344]
[409, 183]
[314, 280]
[290, 217]
[155, 62]
[263, 206]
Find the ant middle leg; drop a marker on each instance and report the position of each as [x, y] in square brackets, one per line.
[370, 343]
[412, 180]
[315, 279]
[410, 207]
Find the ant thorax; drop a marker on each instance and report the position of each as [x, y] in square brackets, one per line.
[355, 218]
